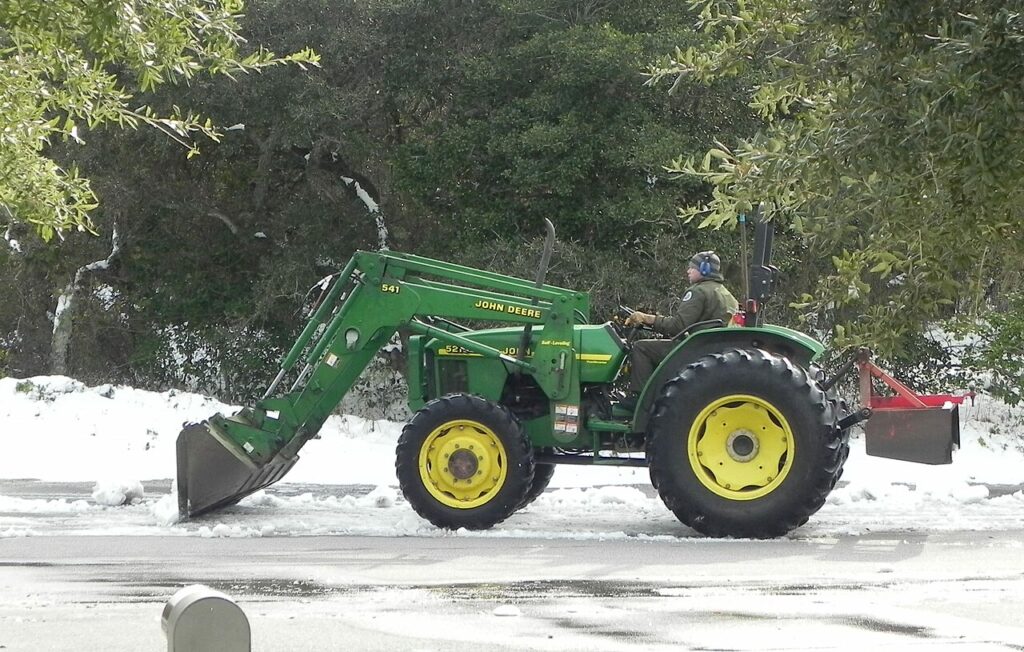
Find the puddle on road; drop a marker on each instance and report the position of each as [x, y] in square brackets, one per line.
[544, 589]
[804, 589]
[259, 589]
[531, 590]
[625, 635]
[146, 590]
[135, 591]
[158, 590]
[888, 627]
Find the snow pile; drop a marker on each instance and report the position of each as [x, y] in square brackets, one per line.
[222, 530]
[115, 493]
[165, 510]
[116, 439]
[62, 430]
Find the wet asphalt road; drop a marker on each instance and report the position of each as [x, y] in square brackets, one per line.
[958, 591]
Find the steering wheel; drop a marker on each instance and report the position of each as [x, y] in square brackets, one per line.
[630, 334]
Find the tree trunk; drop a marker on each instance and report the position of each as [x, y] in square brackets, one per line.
[63, 315]
[324, 165]
[262, 177]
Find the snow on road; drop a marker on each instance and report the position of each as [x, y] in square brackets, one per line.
[120, 442]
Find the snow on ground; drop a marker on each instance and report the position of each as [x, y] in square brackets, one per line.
[117, 440]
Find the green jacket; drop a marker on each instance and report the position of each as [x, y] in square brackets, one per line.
[704, 300]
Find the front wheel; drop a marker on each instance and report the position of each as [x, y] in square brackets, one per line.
[542, 474]
[744, 444]
[464, 462]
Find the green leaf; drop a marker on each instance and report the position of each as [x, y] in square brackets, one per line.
[67, 69]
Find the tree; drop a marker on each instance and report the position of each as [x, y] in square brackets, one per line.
[548, 118]
[893, 143]
[465, 122]
[66, 66]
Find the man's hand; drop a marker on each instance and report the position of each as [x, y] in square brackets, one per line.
[640, 319]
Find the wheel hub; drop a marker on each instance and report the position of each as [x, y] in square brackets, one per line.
[742, 445]
[463, 464]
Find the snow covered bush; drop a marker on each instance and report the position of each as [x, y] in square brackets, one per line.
[47, 388]
[1000, 351]
[233, 364]
[381, 392]
[237, 365]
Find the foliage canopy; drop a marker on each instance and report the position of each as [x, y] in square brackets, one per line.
[464, 122]
[66, 65]
[893, 141]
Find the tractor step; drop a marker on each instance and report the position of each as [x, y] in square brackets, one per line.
[590, 460]
[601, 425]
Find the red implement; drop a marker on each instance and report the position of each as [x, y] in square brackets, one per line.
[913, 427]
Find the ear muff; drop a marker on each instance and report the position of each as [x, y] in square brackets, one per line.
[705, 265]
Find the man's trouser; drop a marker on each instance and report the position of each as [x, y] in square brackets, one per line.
[644, 359]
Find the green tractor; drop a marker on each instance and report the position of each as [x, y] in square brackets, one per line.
[741, 432]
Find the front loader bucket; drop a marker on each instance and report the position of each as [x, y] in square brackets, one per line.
[213, 472]
[926, 435]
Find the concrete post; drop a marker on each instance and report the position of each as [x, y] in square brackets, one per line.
[199, 619]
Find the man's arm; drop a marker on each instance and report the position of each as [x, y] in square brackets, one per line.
[690, 309]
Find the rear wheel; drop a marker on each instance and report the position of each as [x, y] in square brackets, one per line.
[463, 461]
[744, 444]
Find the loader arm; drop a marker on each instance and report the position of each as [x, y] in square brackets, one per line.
[378, 293]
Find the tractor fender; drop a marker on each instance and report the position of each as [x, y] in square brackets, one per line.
[785, 342]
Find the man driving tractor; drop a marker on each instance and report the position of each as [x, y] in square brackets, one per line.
[706, 299]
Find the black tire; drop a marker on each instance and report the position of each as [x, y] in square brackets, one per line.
[842, 409]
[541, 479]
[450, 486]
[727, 412]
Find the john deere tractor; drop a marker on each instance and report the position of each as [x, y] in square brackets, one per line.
[741, 432]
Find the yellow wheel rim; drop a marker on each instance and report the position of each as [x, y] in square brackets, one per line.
[741, 447]
[463, 464]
